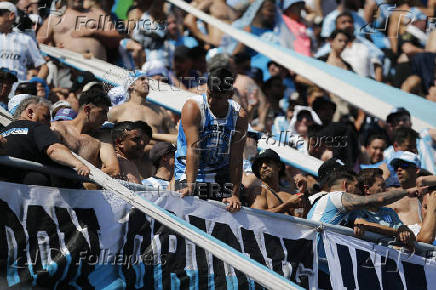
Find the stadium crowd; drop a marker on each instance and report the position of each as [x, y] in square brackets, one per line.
[377, 175]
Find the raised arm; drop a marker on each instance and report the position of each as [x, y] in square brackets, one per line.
[427, 233]
[352, 201]
[191, 118]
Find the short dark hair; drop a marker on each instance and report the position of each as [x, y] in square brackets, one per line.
[375, 137]
[402, 134]
[269, 83]
[339, 31]
[220, 80]
[304, 114]
[96, 97]
[346, 13]
[367, 177]
[339, 175]
[120, 128]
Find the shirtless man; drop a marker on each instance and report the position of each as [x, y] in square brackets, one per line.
[219, 10]
[138, 109]
[130, 139]
[75, 134]
[406, 164]
[91, 28]
[267, 167]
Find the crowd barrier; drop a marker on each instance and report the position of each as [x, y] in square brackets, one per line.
[71, 174]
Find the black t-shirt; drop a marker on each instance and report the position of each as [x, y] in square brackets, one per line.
[325, 57]
[29, 140]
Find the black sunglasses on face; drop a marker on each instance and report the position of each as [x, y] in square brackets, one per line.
[402, 164]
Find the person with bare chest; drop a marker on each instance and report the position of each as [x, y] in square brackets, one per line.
[91, 28]
[77, 134]
[267, 167]
[137, 108]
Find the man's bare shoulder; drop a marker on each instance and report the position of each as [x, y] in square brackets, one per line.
[58, 127]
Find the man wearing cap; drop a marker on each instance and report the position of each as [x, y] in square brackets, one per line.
[29, 137]
[62, 111]
[268, 167]
[130, 139]
[342, 198]
[406, 165]
[80, 133]
[162, 156]
[211, 141]
[16, 48]
[400, 117]
[137, 108]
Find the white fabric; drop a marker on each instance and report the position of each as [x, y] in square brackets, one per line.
[17, 50]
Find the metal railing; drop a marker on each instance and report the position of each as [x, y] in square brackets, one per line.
[422, 249]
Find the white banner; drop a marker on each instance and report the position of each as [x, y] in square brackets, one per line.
[357, 264]
[56, 238]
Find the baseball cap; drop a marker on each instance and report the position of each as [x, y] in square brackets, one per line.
[328, 168]
[401, 157]
[15, 101]
[9, 6]
[395, 112]
[65, 114]
[133, 77]
[264, 155]
[288, 3]
[61, 103]
[159, 150]
[90, 85]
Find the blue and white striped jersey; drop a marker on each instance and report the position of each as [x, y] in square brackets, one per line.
[155, 183]
[17, 50]
[328, 209]
[215, 138]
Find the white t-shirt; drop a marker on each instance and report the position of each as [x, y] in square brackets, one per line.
[416, 228]
[17, 50]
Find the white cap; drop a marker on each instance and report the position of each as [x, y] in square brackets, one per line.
[9, 6]
[15, 101]
[118, 95]
[61, 103]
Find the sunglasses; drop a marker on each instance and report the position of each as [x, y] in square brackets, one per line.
[401, 164]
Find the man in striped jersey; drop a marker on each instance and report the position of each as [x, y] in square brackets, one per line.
[425, 143]
[17, 49]
[211, 141]
[341, 199]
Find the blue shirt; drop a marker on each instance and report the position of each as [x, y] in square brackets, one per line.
[214, 143]
[384, 216]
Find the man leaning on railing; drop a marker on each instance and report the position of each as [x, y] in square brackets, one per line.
[29, 137]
